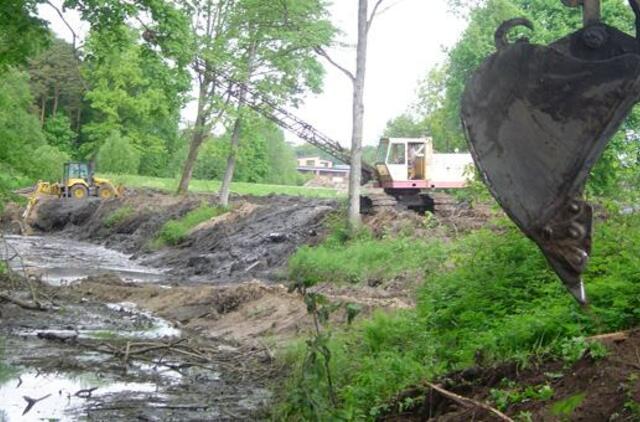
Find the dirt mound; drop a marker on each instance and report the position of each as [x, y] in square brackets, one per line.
[604, 389]
[250, 244]
[254, 239]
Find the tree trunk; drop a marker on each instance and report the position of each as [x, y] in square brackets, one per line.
[355, 174]
[43, 107]
[56, 98]
[225, 188]
[197, 139]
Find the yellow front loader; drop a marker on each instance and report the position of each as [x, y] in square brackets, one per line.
[78, 182]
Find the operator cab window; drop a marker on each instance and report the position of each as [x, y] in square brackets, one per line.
[397, 154]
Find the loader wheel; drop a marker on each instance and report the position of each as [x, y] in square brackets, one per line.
[106, 192]
[79, 192]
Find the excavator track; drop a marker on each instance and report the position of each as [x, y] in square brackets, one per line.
[375, 202]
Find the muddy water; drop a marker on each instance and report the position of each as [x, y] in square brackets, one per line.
[40, 365]
[59, 260]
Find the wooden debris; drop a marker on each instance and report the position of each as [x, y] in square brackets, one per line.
[467, 402]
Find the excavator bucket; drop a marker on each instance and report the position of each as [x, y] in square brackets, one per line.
[537, 119]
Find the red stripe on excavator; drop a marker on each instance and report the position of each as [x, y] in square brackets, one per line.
[422, 184]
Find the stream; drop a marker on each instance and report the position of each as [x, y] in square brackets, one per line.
[60, 260]
[72, 382]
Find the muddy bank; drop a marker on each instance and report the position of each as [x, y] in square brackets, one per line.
[254, 239]
[593, 389]
[91, 360]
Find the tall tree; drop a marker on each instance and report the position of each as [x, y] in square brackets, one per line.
[365, 21]
[56, 82]
[213, 32]
[133, 92]
[258, 43]
[278, 60]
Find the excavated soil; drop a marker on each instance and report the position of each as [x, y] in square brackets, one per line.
[254, 239]
[591, 390]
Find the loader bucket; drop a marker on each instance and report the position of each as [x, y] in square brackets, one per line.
[537, 119]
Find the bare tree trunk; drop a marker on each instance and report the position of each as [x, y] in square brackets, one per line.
[355, 175]
[225, 188]
[197, 138]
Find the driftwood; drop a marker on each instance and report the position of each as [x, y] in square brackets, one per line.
[31, 402]
[467, 402]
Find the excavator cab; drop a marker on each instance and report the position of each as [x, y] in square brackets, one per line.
[411, 164]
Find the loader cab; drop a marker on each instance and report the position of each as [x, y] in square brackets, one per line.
[402, 162]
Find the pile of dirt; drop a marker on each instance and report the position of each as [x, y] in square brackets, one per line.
[254, 239]
[604, 389]
[248, 244]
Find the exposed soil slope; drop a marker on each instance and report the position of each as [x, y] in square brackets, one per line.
[254, 239]
[606, 389]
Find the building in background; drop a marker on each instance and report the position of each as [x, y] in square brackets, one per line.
[324, 171]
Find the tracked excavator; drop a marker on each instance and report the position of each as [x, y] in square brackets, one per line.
[407, 171]
[537, 119]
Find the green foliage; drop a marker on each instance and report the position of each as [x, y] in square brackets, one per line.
[19, 129]
[22, 34]
[136, 93]
[175, 231]
[117, 155]
[511, 393]
[119, 216]
[58, 89]
[567, 406]
[47, 162]
[58, 133]
[365, 259]
[493, 299]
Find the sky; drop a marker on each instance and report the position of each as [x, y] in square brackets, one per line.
[405, 41]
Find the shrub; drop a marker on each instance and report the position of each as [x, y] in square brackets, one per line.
[118, 155]
[47, 163]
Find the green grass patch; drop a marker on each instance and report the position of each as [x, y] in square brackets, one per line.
[175, 231]
[256, 189]
[119, 216]
[493, 299]
[567, 406]
[366, 260]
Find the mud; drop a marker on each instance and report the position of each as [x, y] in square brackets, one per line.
[255, 239]
[69, 355]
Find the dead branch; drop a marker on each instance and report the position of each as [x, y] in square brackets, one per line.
[61, 15]
[31, 402]
[617, 336]
[33, 306]
[322, 52]
[464, 401]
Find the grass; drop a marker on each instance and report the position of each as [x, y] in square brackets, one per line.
[175, 231]
[119, 216]
[255, 189]
[365, 259]
[489, 297]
